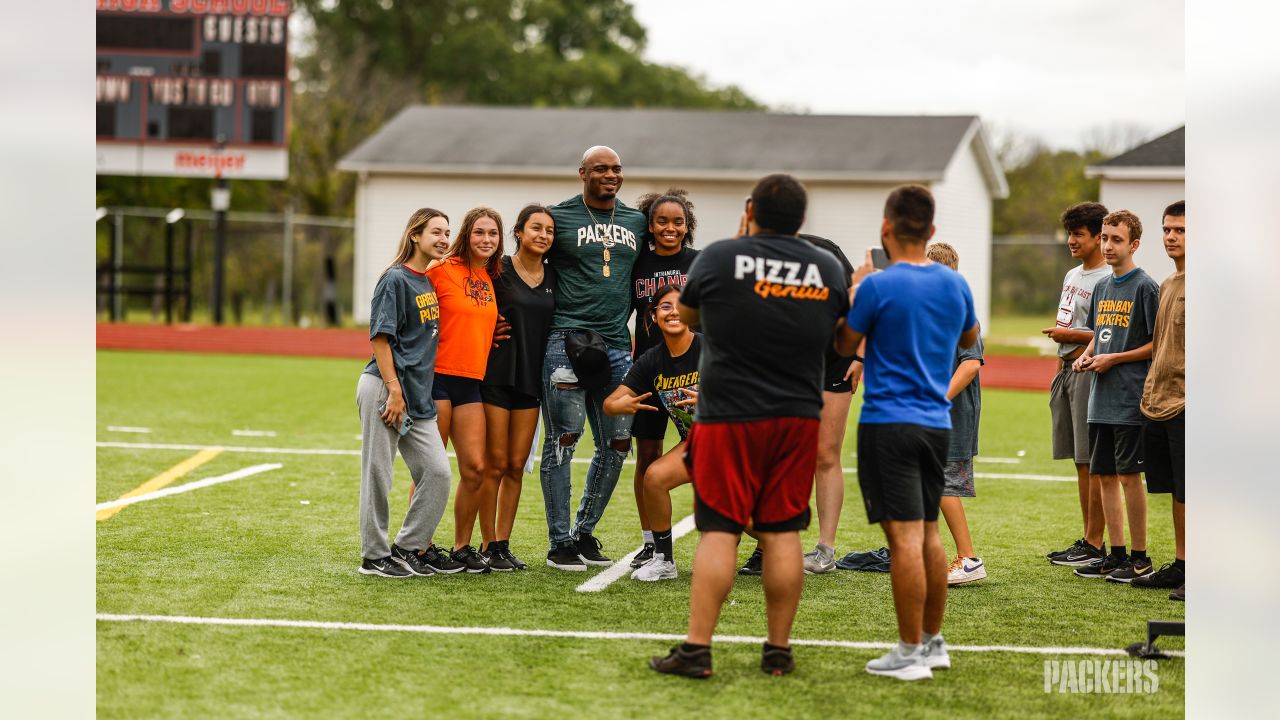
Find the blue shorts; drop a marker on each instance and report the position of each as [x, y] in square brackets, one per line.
[455, 390]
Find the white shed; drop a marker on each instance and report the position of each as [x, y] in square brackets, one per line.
[454, 158]
[1145, 181]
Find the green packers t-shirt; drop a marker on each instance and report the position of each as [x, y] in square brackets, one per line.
[593, 253]
[405, 309]
[1123, 318]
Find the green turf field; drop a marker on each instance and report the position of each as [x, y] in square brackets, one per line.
[282, 545]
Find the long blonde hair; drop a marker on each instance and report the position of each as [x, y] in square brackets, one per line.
[416, 226]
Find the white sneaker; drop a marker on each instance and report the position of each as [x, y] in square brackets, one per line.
[659, 568]
[818, 560]
[935, 654]
[964, 570]
[895, 664]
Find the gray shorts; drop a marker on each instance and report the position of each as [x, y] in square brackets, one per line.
[957, 479]
[1069, 410]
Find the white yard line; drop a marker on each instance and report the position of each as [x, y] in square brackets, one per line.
[254, 433]
[998, 460]
[577, 461]
[188, 487]
[623, 566]
[581, 634]
[127, 429]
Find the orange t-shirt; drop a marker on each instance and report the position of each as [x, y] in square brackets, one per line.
[468, 313]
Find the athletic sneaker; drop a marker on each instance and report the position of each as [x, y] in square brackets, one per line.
[510, 557]
[565, 557]
[589, 547]
[1074, 546]
[777, 661]
[439, 561]
[386, 567]
[965, 570]
[1131, 569]
[895, 664]
[471, 559]
[1167, 577]
[658, 568]
[497, 559]
[821, 559]
[754, 565]
[644, 556]
[1179, 595]
[690, 664]
[1080, 555]
[411, 561]
[936, 656]
[1102, 567]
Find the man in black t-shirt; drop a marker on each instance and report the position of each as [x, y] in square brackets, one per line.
[768, 305]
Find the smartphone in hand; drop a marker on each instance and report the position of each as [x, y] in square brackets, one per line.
[406, 422]
[879, 258]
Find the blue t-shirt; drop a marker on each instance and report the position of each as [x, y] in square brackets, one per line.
[913, 317]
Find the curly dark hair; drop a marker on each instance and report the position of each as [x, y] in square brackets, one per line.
[1087, 215]
[648, 203]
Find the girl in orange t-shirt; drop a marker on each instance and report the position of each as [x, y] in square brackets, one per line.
[468, 315]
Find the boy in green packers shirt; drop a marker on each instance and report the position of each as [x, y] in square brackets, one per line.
[1122, 317]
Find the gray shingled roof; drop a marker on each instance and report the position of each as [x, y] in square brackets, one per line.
[434, 139]
[1168, 150]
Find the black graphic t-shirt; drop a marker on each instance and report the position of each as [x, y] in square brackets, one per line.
[834, 366]
[658, 373]
[651, 272]
[768, 307]
[517, 362]
[1122, 318]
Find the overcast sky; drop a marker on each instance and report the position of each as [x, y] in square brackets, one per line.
[1059, 70]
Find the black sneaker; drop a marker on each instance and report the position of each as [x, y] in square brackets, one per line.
[516, 562]
[777, 661]
[589, 547]
[439, 560]
[645, 555]
[411, 561]
[1058, 553]
[386, 567]
[1102, 567]
[695, 664]
[1179, 595]
[496, 559]
[1132, 569]
[565, 557]
[470, 559]
[1167, 578]
[1080, 555]
[755, 564]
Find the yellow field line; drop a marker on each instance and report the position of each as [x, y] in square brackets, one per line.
[163, 479]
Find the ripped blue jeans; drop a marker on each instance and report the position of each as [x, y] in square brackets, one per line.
[565, 409]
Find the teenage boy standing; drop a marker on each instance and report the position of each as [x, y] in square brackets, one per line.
[913, 315]
[1069, 393]
[1122, 316]
[1164, 402]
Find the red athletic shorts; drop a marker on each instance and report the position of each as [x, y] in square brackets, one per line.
[759, 471]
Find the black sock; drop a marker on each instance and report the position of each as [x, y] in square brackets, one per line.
[1139, 554]
[690, 647]
[662, 542]
[1118, 551]
[768, 647]
[1180, 564]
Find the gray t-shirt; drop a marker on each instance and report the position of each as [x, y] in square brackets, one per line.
[1123, 318]
[966, 408]
[405, 309]
[1077, 296]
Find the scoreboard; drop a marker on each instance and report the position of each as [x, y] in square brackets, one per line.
[195, 88]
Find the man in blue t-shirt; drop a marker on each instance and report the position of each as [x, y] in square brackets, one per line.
[912, 315]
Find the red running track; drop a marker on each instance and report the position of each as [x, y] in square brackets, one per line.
[1000, 371]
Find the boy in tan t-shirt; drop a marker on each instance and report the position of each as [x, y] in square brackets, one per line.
[1164, 402]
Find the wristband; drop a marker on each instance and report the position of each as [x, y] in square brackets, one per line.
[388, 382]
[858, 358]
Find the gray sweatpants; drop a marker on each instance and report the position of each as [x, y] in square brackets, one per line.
[423, 452]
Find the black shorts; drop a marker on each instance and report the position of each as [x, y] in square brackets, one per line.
[507, 397]
[1164, 444]
[901, 470]
[456, 390]
[837, 385]
[833, 372]
[650, 425]
[1115, 449]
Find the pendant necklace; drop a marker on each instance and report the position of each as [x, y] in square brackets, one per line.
[605, 270]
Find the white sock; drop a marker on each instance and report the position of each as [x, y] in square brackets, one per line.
[647, 535]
